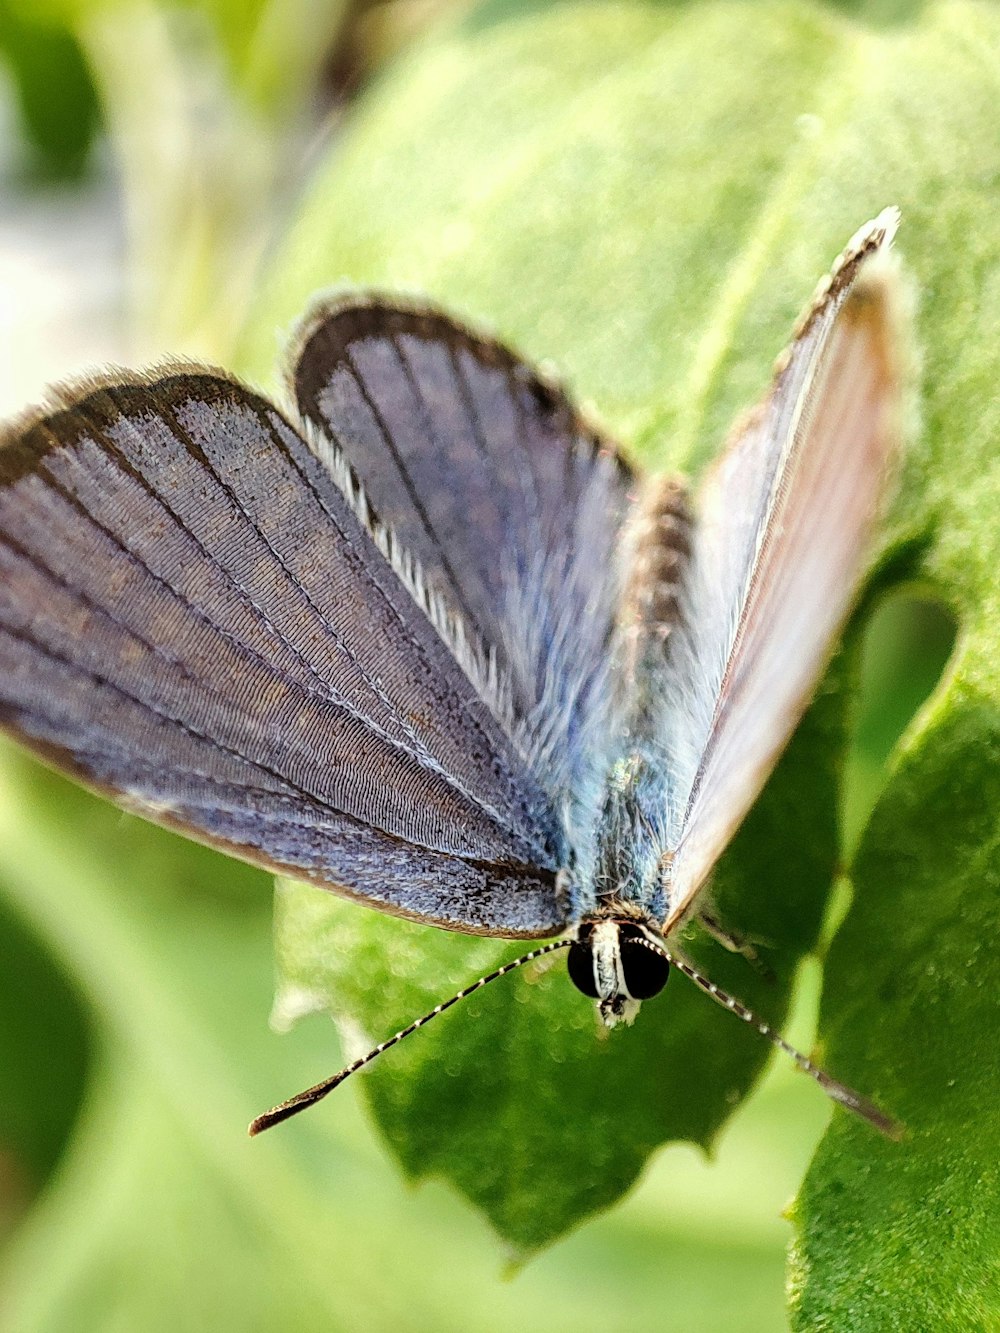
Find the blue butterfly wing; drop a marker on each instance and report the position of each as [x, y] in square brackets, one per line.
[511, 504]
[194, 620]
[786, 523]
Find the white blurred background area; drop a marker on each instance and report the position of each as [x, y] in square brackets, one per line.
[61, 267]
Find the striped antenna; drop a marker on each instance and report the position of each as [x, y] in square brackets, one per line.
[839, 1092]
[317, 1093]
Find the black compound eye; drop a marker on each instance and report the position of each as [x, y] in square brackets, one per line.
[580, 965]
[645, 972]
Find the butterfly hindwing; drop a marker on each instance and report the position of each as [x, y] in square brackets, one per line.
[784, 527]
[489, 477]
[194, 620]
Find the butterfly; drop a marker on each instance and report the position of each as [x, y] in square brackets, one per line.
[428, 640]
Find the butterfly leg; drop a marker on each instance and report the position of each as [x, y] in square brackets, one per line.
[735, 943]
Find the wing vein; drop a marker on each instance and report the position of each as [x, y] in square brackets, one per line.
[528, 492]
[419, 751]
[114, 455]
[326, 694]
[329, 695]
[422, 755]
[404, 472]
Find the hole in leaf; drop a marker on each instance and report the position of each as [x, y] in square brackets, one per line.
[906, 646]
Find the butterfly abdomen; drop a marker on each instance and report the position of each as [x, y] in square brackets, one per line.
[658, 545]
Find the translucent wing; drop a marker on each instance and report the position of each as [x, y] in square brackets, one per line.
[194, 620]
[783, 531]
[490, 479]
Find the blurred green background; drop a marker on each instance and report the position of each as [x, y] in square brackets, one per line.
[161, 170]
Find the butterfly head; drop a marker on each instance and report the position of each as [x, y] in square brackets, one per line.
[611, 961]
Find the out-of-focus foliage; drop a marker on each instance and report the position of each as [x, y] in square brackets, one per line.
[210, 105]
[40, 1099]
[269, 49]
[55, 95]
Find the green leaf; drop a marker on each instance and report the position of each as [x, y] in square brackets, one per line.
[163, 1215]
[517, 1098]
[646, 195]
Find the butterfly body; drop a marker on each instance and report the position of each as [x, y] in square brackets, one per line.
[629, 852]
[626, 897]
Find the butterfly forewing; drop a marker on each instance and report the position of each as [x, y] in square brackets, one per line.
[193, 619]
[784, 529]
[488, 476]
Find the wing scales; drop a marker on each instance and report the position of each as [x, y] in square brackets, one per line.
[489, 478]
[171, 584]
